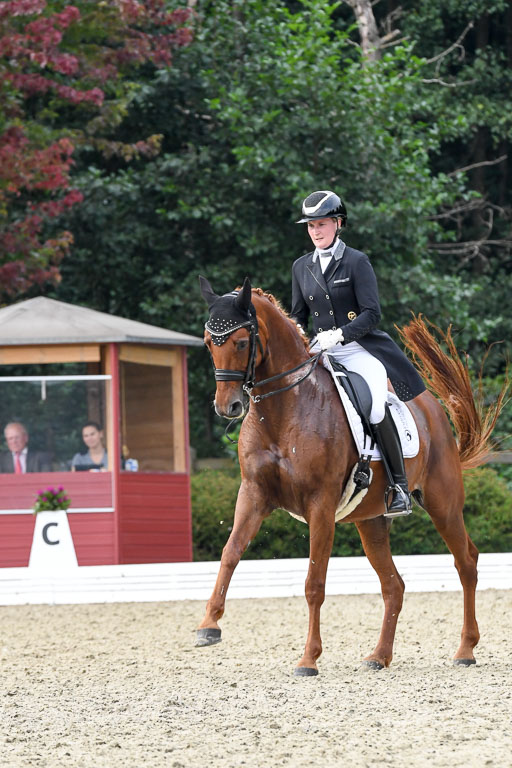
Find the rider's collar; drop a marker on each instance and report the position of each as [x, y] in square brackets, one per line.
[337, 250]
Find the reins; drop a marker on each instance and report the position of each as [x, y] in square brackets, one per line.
[258, 398]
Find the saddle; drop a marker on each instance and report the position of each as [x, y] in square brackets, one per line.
[357, 390]
[356, 399]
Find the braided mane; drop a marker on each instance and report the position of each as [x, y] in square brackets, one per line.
[277, 304]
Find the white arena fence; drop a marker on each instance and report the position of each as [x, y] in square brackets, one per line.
[252, 579]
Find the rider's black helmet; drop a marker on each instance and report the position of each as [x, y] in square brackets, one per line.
[323, 205]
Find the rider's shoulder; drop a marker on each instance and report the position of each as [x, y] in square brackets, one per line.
[357, 260]
[353, 253]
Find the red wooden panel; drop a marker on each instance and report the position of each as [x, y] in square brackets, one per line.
[85, 489]
[16, 533]
[155, 518]
[93, 536]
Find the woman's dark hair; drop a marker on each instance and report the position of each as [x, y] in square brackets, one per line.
[93, 424]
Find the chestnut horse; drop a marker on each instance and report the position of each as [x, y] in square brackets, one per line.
[296, 452]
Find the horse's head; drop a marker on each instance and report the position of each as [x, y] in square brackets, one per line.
[231, 335]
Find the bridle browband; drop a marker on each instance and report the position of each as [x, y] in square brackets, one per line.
[220, 335]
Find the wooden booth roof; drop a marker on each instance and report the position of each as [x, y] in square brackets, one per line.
[46, 321]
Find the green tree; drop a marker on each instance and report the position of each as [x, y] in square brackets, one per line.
[265, 105]
[66, 81]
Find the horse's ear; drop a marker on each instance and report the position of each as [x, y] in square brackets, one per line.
[208, 293]
[243, 300]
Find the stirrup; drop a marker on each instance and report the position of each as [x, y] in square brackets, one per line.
[405, 497]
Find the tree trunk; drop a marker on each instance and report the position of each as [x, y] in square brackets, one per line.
[368, 32]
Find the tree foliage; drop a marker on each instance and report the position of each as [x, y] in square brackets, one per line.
[266, 103]
[65, 80]
[487, 514]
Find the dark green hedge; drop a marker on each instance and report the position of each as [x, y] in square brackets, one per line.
[487, 512]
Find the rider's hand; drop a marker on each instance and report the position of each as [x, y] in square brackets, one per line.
[328, 339]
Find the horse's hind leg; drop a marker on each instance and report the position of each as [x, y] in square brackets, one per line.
[444, 500]
[374, 535]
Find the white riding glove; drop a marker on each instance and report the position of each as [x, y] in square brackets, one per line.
[328, 339]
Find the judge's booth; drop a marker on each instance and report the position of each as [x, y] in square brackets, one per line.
[63, 367]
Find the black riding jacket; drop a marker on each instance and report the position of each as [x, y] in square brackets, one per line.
[346, 296]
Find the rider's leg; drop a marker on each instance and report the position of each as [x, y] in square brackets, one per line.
[354, 357]
[389, 443]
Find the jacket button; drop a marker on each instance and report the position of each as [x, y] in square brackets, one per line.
[326, 295]
[334, 327]
[311, 298]
[331, 312]
[320, 330]
[316, 314]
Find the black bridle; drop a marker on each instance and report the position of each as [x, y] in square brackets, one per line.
[219, 337]
[248, 376]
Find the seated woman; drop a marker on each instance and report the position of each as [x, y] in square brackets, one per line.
[95, 459]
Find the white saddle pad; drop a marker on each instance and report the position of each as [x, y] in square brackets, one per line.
[402, 416]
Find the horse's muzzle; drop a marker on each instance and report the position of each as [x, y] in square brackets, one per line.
[232, 410]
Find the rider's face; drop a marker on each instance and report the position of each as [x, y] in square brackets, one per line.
[322, 232]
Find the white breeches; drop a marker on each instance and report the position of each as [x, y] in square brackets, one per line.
[354, 357]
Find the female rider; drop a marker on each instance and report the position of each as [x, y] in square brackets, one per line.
[336, 286]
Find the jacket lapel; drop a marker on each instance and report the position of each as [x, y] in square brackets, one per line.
[331, 269]
[316, 271]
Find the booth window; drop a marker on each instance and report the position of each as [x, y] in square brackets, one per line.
[54, 410]
[146, 416]
[152, 427]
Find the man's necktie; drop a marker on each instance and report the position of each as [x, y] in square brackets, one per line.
[17, 465]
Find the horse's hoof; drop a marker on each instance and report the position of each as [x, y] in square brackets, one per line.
[372, 664]
[207, 636]
[464, 662]
[305, 672]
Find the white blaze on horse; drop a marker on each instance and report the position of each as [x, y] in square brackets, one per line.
[297, 453]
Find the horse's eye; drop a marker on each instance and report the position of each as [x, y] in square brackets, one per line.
[242, 344]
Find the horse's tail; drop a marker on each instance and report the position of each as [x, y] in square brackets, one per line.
[447, 376]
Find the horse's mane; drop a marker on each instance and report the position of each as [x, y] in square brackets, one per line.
[277, 304]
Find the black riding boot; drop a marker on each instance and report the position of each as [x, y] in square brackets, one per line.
[389, 443]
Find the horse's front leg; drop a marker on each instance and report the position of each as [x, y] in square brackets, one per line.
[321, 536]
[250, 512]
[374, 535]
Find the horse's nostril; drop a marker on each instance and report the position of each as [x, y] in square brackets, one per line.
[235, 409]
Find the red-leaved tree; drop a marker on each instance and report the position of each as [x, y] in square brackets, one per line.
[64, 82]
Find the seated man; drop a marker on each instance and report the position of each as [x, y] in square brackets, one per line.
[20, 458]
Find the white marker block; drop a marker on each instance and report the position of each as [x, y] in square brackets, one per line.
[52, 545]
